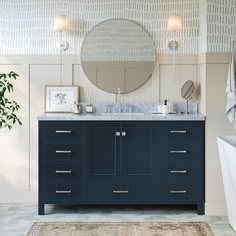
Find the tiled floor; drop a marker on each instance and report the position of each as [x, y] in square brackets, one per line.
[15, 219]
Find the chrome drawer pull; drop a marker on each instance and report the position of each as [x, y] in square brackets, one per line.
[173, 151]
[123, 133]
[181, 192]
[117, 134]
[120, 191]
[63, 171]
[178, 171]
[63, 131]
[178, 131]
[63, 151]
[67, 192]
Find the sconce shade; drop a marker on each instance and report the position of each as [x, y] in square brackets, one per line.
[61, 23]
[174, 23]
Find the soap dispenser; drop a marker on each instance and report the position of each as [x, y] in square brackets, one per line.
[165, 108]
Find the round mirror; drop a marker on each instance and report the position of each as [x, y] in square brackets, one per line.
[118, 54]
[187, 90]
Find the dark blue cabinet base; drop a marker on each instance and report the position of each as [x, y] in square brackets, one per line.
[121, 163]
[199, 207]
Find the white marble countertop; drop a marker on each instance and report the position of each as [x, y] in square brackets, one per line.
[132, 117]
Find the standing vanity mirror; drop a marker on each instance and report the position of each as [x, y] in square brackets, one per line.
[187, 91]
[118, 54]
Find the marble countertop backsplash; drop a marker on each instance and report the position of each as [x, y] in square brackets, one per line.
[135, 111]
[144, 107]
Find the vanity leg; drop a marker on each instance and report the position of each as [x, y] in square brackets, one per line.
[200, 208]
[41, 209]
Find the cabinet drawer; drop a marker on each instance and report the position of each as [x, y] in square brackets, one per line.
[183, 153]
[64, 172]
[60, 131]
[61, 191]
[180, 192]
[182, 132]
[64, 151]
[120, 193]
[179, 174]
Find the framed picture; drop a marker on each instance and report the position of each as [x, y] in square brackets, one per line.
[60, 98]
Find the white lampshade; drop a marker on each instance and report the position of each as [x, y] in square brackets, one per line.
[174, 23]
[61, 23]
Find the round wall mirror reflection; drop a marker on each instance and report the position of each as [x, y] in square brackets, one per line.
[118, 54]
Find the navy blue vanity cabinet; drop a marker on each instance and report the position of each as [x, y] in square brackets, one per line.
[61, 163]
[181, 162]
[121, 162]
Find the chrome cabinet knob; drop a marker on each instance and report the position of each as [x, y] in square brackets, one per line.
[178, 131]
[63, 131]
[63, 171]
[63, 151]
[63, 191]
[178, 191]
[178, 171]
[178, 151]
[120, 191]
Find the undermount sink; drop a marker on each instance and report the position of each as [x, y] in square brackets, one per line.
[122, 114]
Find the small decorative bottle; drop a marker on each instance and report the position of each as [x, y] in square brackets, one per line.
[89, 108]
[165, 109]
[76, 108]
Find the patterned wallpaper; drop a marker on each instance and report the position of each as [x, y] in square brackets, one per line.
[202, 40]
[221, 25]
[26, 25]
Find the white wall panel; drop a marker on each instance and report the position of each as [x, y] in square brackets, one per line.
[170, 87]
[14, 144]
[216, 125]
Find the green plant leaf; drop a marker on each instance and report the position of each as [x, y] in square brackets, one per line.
[8, 107]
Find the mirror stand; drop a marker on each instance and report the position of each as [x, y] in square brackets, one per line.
[187, 91]
[187, 112]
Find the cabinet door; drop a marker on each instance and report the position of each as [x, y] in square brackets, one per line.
[136, 159]
[102, 152]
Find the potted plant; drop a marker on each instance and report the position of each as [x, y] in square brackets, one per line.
[8, 107]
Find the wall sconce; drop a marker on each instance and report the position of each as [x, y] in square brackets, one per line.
[61, 24]
[174, 25]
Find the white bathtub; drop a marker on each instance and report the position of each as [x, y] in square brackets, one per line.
[227, 151]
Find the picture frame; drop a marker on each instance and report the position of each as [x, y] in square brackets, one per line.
[60, 98]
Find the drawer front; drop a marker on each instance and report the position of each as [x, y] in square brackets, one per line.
[64, 192]
[181, 141]
[180, 192]
[64, 130]
[182, 131]
[64, 151]
[120, 193]
[181, 151]
[64, 172]
[180, 173]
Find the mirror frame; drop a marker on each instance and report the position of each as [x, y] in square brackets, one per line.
[154, 58]
[192, 89]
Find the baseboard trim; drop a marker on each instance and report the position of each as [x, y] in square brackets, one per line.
[215, 209]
